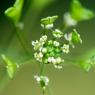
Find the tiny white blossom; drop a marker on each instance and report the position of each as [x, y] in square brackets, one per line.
[44, 50]
[52, 60]
[49, 59]
[58, 66]
[36, 44]
[43, 38]
[58, 60]
[68, 37]
[56, 43]
[57, 33]
[45, 79]
[38, 56]
[49, 26]
[69, 21]
[65, 48]
[39, 79]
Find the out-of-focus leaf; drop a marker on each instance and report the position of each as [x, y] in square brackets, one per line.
[92, 60]
[75, 37]
[68, 20]
[10, 66]
[79, 13]
[39, 5]
[48, 20]
[15, 12]
[86, 65]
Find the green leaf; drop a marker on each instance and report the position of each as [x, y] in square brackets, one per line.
[39, 5]
[14, 12]
[86, 65]
[11, 66]
[79, 13]
[48, 20]
[75, 38]
[92, 59]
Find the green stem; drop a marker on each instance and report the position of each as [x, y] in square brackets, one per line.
[4, 82]
[24, 43]
[41, 69]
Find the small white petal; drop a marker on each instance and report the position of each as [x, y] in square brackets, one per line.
[57, 33]
[38, 79]
[65, 48]
[44, 50]
[56, 43]
[58, 60]
[49, 26]
[58, 66]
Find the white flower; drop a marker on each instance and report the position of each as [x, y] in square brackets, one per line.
[45, 79]
[38, 56]
[58, 66]
[57, 33]
[68, 37]
[44, 50]
[58, 60]
[48, 26]
[69, 21]
[65, 48]
[52, 60]
[36, 44]
[56, 43]
[38, 79]
[41, 79]
[43, 38]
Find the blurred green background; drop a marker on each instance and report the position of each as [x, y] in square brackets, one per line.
[71, 80]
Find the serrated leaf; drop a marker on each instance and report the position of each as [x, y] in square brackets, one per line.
[79, 13]
[75, 37]
[86, 65]
[10, 66]
[48, 20]
[14, 12]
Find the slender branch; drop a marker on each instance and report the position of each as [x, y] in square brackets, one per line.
[5, 80]
[23, 41]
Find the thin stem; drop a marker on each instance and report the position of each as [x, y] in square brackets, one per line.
[41, 68]
[4, 82]
[23, 41]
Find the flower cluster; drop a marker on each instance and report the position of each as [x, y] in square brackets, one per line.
[49, 51]
[42, 80]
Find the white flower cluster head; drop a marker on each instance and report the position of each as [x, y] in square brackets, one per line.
[49, 51]
[42, 80]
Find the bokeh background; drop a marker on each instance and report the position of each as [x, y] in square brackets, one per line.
[71, 80]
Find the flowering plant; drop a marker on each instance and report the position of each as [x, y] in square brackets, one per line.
[54, 43]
